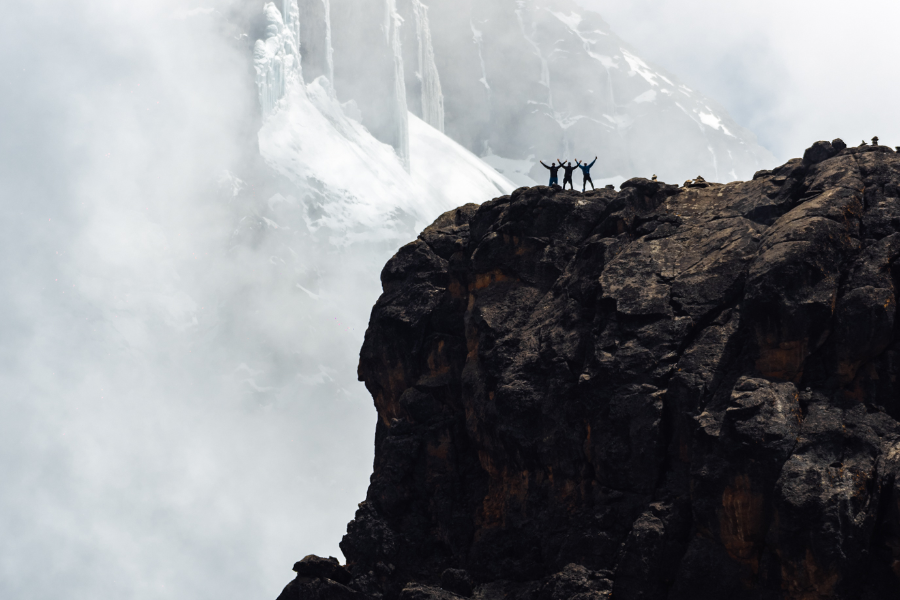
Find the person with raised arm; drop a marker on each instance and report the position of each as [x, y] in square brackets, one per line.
[568, 168]
[554, 169]
[586, 172]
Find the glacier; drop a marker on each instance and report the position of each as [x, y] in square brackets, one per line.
[425, 98]
[276, 59]
[366, 192]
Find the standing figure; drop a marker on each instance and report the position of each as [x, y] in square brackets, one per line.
[554, 169]
[586, 173]
[567, 175]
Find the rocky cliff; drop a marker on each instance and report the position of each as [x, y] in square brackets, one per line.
[662, 392]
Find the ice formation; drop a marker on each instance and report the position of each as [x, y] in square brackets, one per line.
[369, 67]
[392, 32]
[277, 57]
[423, 83]
[315, 39]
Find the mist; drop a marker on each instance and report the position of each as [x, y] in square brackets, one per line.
[792, 72]
[146, 452]
[179, 332]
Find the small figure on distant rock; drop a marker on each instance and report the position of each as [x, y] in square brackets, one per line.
[554, 169]
[586, 173]
[568, 169]
[875, 141]
[653, 178]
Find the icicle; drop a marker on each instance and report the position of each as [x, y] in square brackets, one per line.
[329, 50]
[314, 36]
[276, 59]
[401, 118]
[432, 95]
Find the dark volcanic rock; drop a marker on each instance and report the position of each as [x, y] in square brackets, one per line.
[325, 568]
[457, 581]
[679, 393]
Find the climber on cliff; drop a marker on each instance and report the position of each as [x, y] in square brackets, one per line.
[554, 169]
[568, 169]
[586, 173]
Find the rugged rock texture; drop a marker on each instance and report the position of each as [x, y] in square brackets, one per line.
[663, 392]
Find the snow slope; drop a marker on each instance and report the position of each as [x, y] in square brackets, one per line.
[310, 141]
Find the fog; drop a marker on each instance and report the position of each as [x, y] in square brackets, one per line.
[792, 72]
[179, 417]
[137, 459]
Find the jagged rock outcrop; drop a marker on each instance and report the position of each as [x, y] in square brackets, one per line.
[661, 392]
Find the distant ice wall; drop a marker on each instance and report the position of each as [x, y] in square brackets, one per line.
[290, 13]
[368, 67]
[276, 58]
[315, 39]
[423, 84]
[547, 78]
[400, 109]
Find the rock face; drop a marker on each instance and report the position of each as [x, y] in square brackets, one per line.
[661, 392]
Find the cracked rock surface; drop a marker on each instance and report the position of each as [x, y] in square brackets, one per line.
[657, 393]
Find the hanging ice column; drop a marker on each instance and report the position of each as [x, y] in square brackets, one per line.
[423, 85]
[392, 32]
[368, 67]
[277, 57]
[315, 39]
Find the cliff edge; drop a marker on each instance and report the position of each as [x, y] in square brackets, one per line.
[659, 393]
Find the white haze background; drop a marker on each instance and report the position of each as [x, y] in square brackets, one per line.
[791, 71]
[131, 467]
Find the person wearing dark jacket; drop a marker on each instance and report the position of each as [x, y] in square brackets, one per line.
[567, 175]
[554, 169]
[586, 172]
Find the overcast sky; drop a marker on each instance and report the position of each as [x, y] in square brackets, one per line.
[792, 71]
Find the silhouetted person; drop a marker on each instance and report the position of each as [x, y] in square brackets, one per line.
[586, 172]
[568, 169]
[875, 141]
[653, 178]
[554, 169]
